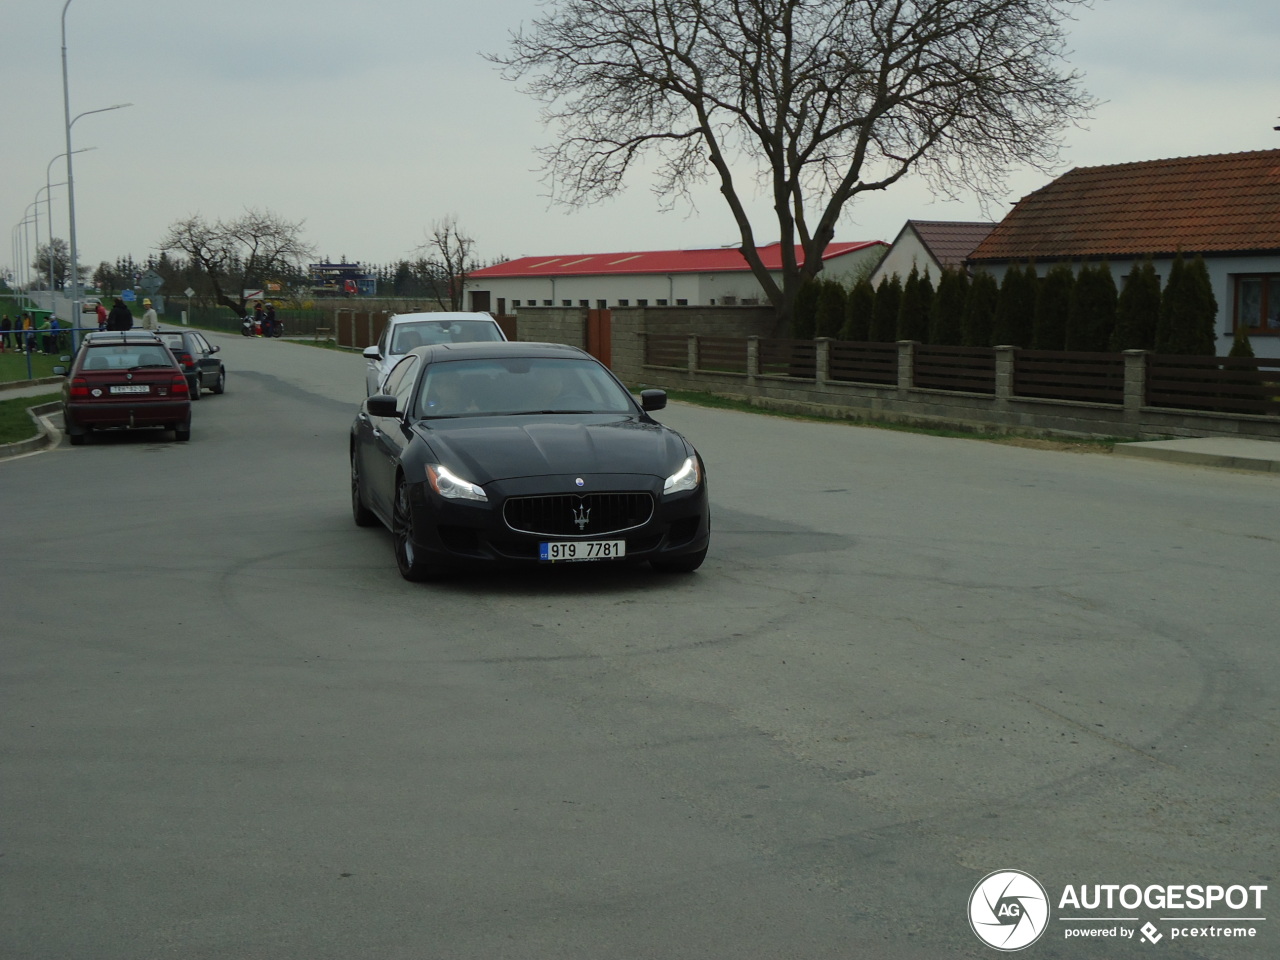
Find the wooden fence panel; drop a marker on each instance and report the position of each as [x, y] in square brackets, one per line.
[722, 354]
[1058, 375]
[1228, 384]
[855, 362]
[789, 358]
[666, 350]
[969, 369]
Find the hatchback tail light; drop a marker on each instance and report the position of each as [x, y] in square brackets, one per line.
[179, 385]
[80, 388]
[185, 359]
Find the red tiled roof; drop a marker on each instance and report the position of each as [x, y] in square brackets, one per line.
[717, 260]
[1225, 203]
[950, 241]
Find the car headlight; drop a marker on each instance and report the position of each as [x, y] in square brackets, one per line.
[686, 478]
[451, 486]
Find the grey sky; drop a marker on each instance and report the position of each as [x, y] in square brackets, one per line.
[370, 121]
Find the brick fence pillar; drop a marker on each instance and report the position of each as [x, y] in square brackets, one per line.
[1135, 384]
[822, 361]
[907, 364]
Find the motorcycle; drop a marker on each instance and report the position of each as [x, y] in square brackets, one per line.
[246, 327]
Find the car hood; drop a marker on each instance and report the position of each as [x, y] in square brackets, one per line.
[503, 448]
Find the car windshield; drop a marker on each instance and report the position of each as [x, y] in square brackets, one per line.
[425, 333]
[519, 385]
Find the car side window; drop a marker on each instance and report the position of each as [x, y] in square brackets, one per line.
[202, 343]
[400, 381]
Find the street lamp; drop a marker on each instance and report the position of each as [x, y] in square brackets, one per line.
[71, 189]
[49, 200]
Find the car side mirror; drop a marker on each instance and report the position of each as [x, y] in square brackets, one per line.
[372, 353]
[59, 371]
[216, 347]
[381, 405]
[653, 399]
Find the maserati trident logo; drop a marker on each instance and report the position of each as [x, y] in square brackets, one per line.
[580, 516]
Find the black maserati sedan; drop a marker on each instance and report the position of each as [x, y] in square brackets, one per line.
[523, 453]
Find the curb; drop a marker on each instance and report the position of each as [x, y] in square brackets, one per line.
[23, 384]
[48, 433]
[1197, 459]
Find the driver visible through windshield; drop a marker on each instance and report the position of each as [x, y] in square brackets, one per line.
[470, 388]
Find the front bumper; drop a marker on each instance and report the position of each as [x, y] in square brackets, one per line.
[466, 532]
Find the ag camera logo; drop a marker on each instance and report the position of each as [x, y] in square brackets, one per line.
[1008, 910]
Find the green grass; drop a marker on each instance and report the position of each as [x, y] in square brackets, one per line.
[15, 423]
[13, 366]
[1082, 444]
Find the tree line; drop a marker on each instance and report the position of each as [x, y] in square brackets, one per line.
[1074, 308]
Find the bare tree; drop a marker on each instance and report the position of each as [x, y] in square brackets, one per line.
[819, 101]
[445, 261]
[57, 253]
[249, 250]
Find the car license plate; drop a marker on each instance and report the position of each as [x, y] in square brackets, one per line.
[131, 388]
[578, 550]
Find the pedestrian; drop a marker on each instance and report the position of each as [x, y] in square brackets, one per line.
[101, 311]
[258, 317]
[150, 321]
[28, 334]
[6, 331]
[120, 318]
[54, 340]
[270, 329]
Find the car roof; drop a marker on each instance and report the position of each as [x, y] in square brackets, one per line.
[498, 349]
[442, 316]
[121, 336]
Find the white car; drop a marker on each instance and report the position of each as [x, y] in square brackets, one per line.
[404, 331]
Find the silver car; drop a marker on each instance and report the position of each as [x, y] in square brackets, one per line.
[405, 331]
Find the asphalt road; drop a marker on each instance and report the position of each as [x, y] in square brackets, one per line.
[230, 730]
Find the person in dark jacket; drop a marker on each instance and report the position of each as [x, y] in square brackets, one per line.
[119, 318]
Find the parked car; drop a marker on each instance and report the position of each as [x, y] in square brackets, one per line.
[195, 355]
[408, 330]
[523, 453]
[125, 379]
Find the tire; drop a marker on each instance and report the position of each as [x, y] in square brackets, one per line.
[363, 516]
[182, 432]
[685, 564]
[412, 566]
[194, 388]
[220, 385]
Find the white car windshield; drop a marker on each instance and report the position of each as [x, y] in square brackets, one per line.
[425, 333]
[519, 385]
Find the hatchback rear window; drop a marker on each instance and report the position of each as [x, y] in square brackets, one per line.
[126, 357]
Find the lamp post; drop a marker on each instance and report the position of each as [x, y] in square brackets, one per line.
[71, 189]
[49, 200]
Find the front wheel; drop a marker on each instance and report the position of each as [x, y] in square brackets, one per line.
[412, 565]
[220, 385]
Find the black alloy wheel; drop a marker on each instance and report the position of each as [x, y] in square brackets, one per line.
[412, 566]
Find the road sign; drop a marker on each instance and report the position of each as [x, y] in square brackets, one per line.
[152, 281]
[253, 295]
[128, 296]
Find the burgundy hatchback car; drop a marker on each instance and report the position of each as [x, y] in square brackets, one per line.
[125, 379]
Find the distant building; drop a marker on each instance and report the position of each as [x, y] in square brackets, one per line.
[1224, 207]
[658, 278]
[930, 246]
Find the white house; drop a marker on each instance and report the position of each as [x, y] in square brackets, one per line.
[657, 278]
[1223, 207]
[930, 246]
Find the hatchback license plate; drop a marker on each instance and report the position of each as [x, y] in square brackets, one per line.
[578, 550]
[131, 388]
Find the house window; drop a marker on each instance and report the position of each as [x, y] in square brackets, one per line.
[1257, 300]
[566, 303]
[642, 303]
[584, 303]
[602, 304]
[682, 303]
[662, 303]
[547, 303]
[514, 304]
[624, 303]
